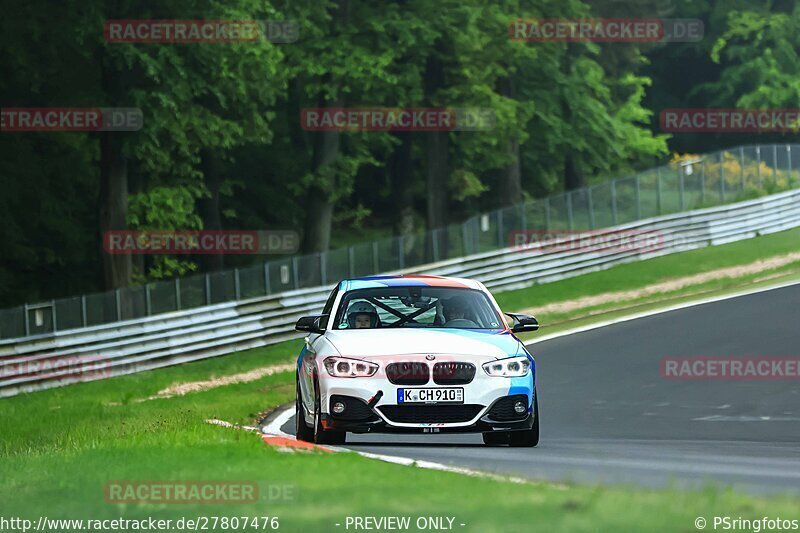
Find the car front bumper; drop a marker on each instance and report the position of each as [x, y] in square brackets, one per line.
[371, 405]
[482, 425]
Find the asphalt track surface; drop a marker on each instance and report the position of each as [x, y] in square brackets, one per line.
[607, 415]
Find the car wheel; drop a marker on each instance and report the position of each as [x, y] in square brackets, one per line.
[301, 429]
[495, 438]
[530, 437]
[322, 435]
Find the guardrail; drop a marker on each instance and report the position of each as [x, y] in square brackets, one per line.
[98, 352]
[690, 183]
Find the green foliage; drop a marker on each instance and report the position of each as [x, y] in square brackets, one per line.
[580, 109]
[760, 55]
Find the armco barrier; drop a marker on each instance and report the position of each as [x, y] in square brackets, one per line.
[684, 184]
[71, 356]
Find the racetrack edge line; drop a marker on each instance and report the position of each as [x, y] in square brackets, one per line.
[274, 427]
[658, 311]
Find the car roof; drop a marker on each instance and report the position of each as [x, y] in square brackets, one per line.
[408, 280]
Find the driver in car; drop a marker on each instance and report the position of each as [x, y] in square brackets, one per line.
[455, 308]
[362, 315]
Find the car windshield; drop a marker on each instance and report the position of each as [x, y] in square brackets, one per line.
[417, 307]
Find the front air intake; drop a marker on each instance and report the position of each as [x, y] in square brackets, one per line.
[408, 373]
[452, 373]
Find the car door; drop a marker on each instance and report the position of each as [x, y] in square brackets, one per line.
[313, 344]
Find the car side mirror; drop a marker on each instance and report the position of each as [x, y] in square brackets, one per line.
[523, 323]
[310, 324]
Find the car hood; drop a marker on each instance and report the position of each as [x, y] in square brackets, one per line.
[386, 342]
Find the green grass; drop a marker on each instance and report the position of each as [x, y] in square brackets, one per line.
[69, 418]
[643, 273]
[58, 448]
[61, 471]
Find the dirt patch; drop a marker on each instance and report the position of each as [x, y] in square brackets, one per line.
[222, 423]
[676, 284]
[179, 389]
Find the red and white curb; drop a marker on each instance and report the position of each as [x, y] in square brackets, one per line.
[283, 442]
[273, 431]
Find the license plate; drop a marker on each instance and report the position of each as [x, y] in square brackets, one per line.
[431, 395]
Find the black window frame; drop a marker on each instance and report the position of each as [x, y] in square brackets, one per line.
[328, 308]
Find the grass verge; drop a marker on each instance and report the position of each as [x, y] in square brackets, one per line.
[59, 448]
[64, 471]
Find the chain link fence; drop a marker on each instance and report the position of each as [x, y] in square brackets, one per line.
[702, 181]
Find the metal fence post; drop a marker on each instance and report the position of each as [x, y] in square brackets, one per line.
[178, 293]
[118, 304]
[613, 202]
[703, 183]
[351, 260]
[789, 162]
[775, 162]
[681, 200]
[267, 289]
[148, 302]
[658, 190]
[590, 204]
[55, 322]
[84, 312]
[401, 253]
[237, 290]
[638, 190]
[741, 166]
[27, 321]
[323, 268]
[721, 178]
[758, 166]
[208, 290]
[435, 245]
[499, 228]
[569, 210]
[547, 214]
[465, 237]
[523, 216]
[295, 273]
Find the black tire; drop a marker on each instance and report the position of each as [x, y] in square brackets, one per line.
[322, 435]
[530, 437]
[301, 429]
[496, 438]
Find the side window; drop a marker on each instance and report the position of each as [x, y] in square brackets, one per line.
[328, 309]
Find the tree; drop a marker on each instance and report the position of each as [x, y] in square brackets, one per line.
[760, 57]
[188, 91]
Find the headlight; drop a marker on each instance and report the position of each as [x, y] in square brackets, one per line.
[512, 367]
[343, 367]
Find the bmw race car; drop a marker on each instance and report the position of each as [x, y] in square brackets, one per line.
[415, 354]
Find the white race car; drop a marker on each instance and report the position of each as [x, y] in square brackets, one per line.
[415, 354]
